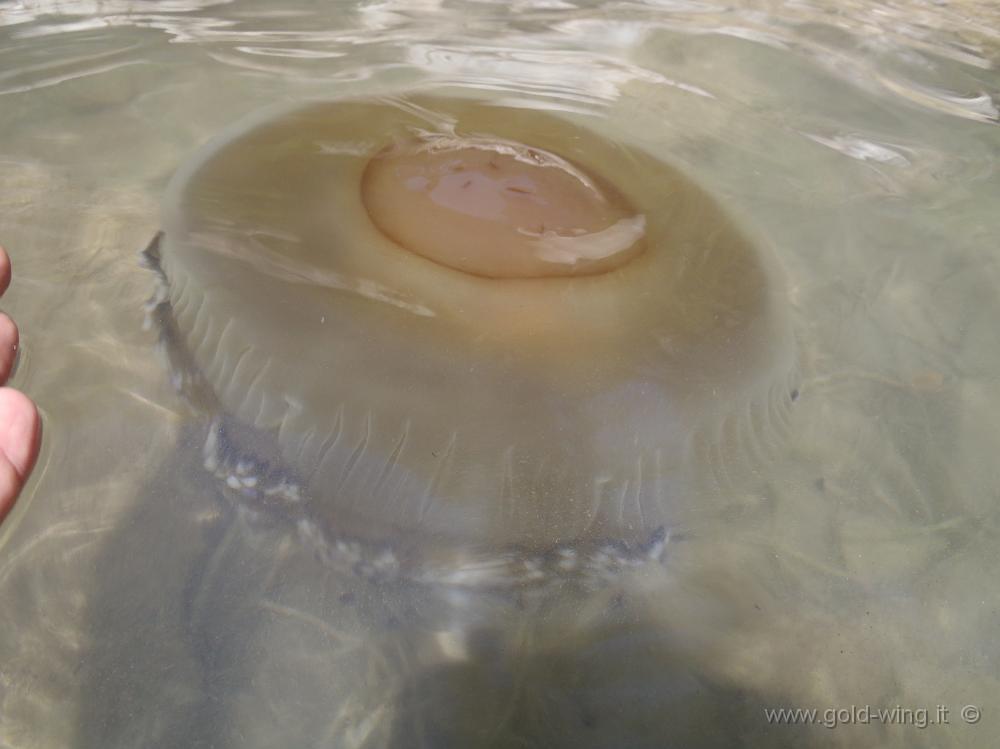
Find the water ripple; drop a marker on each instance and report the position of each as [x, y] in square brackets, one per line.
[863, 150]
[979, 106]
[903, 46]
[40, 69]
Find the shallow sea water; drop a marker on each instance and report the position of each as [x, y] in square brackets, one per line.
[855, 569]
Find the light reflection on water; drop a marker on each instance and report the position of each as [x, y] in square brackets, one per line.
[858, 141]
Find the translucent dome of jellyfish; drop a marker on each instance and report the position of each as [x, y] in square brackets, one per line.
[434, 327]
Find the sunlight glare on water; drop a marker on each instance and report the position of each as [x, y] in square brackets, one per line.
[855, 144]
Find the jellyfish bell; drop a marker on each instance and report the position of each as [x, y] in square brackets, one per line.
[498, 209]
[461, 325]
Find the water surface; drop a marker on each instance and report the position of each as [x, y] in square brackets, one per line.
[857, 142]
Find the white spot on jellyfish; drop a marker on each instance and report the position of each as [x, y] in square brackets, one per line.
[554, 248]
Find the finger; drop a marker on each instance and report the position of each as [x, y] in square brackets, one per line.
[4, 270]
[20, 438]
[8, 346]
[8, 330]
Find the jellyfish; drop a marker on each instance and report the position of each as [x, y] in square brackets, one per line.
[465, 325]
[469, 348]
